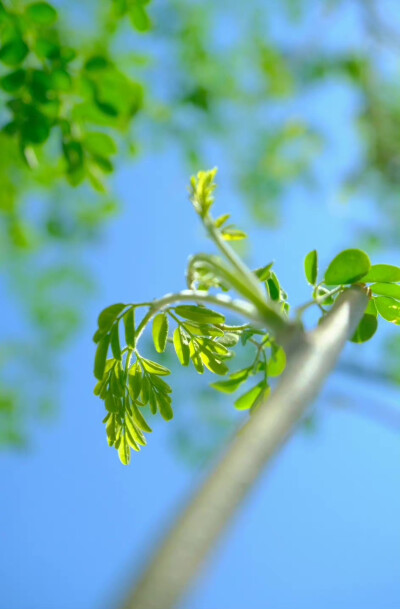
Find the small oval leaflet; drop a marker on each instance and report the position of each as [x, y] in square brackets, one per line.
[366, 329]
[160, 332]
[154, 368]
[101, 357]
[311, 267]
[386, 289]
[108, 316]
[181, 347]
[388, 308]
[248, 399]
[347, 267]
[385, 273]
[199, 314]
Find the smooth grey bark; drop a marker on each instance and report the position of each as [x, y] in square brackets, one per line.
[311, 357]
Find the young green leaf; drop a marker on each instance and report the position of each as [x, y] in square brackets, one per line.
[248, 399]
[263, 273]
[199, 314]
[181, 347]
[101, 357]
[229, 386]
[371, 308]
[160, 332]
[219, 222]
[347, 267]
[136, 434]
[114, 339]
[233, 234]
[124, 451]
[388, 308]
[129, 323]
[164, 404]
[311, 267]
[384, 273]
[135, 381]
[154, 368]
[276, 365]
[274, 288]
[366, 329]
[213, 364]
[386, 289]
[109, 315]
[139, 419]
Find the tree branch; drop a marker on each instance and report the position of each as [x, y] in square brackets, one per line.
[311, 357]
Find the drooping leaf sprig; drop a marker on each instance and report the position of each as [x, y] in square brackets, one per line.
[203, 337]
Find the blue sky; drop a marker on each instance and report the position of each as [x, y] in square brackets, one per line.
[321, 529]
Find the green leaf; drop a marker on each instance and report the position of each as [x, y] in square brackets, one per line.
[199, 314]
[124, 451]
[386, 289]
[109, 315]
[233, 234]
[100, 144]
[263, 273]
[229, 386]
[160, 384]
[101, 357]
[221, 220]
[385, 273]
[154, 368]
[114, 339]
[277, 364]
[371, 308]
[135, 380]
[111, 429]
[164, 404]
[274, 288]
[160, 332]
[13, 52]
[388, 308]
[139, 18]
[347, 267]
[311, 267]
[248, 399]
[213, 364]
[366, 329]
[139, 419]
[136, 434]
[129, 323]
[41, 13]
[181, 347]
[202, 329]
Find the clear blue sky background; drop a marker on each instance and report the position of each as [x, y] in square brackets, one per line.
[321, 530]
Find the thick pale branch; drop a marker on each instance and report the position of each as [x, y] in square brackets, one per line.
[311, 357]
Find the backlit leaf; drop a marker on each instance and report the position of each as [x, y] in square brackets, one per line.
[199, 314]
[248, 399]
[366, 329]
[129, 324]
[101, 356]
[109, 315]
[347, 267]
[41, 13]
[311, 267]
[181, 347]
[160, 332]
[124, 451]
[386, 289]
[114, 339]
[385, 273]
[154, 368]
[388, 308]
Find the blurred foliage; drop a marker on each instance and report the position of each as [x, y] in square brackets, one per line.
[85, 85]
